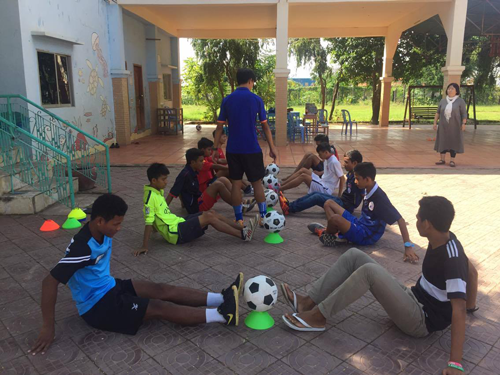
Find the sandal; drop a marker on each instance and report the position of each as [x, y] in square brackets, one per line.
[293, 304]
[452, 164]
[441, 162]
[307, 327]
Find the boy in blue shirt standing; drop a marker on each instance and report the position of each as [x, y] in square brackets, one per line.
[121, 306]
[243, 153]
[376, 213]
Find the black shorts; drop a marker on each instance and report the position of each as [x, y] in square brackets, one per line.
[250, 164]
[119, 310]
[319, 168]
[190, 229]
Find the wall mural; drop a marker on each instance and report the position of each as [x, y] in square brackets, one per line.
[94, 79]
[96, 47]
[105, 107]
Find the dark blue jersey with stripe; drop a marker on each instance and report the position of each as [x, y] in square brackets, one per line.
[85, 268]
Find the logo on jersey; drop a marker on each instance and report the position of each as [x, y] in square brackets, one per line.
[147, 210]
[135, 306]
[371, 206]
[68, 248]
[98, 258]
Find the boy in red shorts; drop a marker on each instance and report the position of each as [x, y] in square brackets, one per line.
[196, 197]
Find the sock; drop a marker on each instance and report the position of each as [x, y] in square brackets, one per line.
[238, 212]
[262, 209]
[214, 299]
[213, 316]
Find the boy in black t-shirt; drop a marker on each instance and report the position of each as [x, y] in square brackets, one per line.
[438, 299]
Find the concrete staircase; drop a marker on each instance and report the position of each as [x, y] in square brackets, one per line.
[25, 199]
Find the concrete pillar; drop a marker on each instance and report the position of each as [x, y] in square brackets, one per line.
[176, 73]
[119, 75]
[281, 72]
[391, 44]
[454, 18]
[153, 71]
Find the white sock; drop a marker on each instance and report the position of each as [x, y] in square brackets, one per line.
[213, 316]
[214, 299]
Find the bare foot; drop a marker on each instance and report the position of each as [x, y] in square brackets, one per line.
[314, 318]
[304, 303]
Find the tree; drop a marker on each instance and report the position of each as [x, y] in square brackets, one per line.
[266, 85]
[312, 51]
[361, 60]
[202, 88]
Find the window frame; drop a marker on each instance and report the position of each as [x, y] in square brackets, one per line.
[70, 80]
[169, 88]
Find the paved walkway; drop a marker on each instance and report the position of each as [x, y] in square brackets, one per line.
[359, 340]
[393, 147]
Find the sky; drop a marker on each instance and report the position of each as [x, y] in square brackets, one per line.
[186, 51]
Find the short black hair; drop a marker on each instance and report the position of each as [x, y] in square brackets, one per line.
[438, 211]
[205, 143]
[156, 170]
[243, 75]
[354, 155]
[321, 138]
[324, 147]
[193, 154]
[108, 206]
[365, 170]
[457, 88]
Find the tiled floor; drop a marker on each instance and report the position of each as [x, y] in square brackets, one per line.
[393, 147]
[359, 340]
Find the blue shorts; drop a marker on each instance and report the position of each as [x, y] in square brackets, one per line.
[357, 233]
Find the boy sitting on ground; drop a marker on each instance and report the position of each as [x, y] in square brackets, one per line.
[376, 213]
[332, 179]
[447, 287]
[175, 229]
[121, 306]
[187, 187]
[350, 199]
[312, 161]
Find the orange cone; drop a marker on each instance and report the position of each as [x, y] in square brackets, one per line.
[49, 226]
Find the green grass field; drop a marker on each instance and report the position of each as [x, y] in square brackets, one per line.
[361, 112]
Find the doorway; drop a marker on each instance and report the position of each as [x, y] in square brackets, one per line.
[139, 97]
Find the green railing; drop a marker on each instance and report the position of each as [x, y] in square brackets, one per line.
[36, 163]
[89, 156]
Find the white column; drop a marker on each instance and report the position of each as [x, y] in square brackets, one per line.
[391, 44]
[281, 72]
[454, 18]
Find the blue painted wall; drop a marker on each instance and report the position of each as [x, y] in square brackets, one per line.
[86, 22]
[134, 31]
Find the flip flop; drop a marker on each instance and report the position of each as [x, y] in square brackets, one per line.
[307, 327]
[441, 162]
[452, 164]
[293, 304]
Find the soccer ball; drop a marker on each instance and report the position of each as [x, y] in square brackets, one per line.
[271, 197]
[274, 222]
[271, 181]
[260, 293]
[272, 169]
[198, 127]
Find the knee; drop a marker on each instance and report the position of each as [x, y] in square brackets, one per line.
[335, 219]
[209, 216]
[303, 170]
[371, 270]
[223, 180]
[354, 253]
[309, 155]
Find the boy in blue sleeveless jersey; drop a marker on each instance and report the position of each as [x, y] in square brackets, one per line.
[121, 306]
[240, 111]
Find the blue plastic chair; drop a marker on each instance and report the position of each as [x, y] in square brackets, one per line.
[294, 127]
[348, 122]
[323, 121]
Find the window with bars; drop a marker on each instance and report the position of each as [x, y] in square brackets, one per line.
[54, 73]
[167, 86]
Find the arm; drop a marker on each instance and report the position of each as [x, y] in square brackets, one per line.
[341, 185]
[147, 234]
[463, 114]
[218, 134]
[272, 149]
[219, 167]
[48, 305]
[436, 117]
[169, 199]
[409, 253]
[457, 334]
[472, 287]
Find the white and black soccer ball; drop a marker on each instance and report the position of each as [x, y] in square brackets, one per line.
[271, 197]
[272, 169]
[274, 222]
[271, 181]
[260, 293]
[198, 127]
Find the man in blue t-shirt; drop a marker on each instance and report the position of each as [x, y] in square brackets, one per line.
[240, 111]
[121, 306]
[377, 211]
